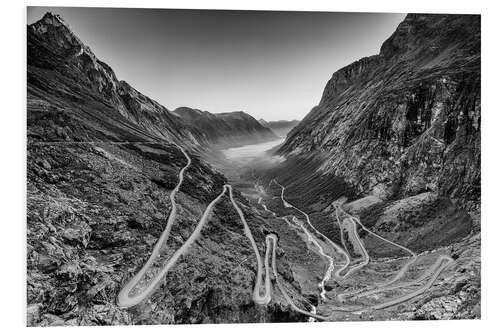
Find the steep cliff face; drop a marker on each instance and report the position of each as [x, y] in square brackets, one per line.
[226, 129]
[406, 120]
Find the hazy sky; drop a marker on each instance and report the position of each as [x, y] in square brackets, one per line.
[272, 65]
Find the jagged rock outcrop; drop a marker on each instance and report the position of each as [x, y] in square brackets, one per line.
[226, 129]
[406, 120]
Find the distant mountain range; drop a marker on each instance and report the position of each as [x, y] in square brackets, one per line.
[226, 129]
[280, 127]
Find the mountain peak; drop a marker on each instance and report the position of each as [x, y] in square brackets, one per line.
[50, 21]
[54, 19]
[57, 34]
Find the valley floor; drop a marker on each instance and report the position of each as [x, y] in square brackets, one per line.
[290, 263]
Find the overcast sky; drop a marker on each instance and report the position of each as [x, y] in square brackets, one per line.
[272, 65]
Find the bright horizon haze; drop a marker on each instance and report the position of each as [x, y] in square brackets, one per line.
[271, 65]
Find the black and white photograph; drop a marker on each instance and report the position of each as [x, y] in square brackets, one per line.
[228, 166]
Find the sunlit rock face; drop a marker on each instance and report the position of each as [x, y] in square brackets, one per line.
[406, 120]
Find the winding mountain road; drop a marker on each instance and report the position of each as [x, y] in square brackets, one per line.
[257, 297]
[262, 292]
[353, 231]
[311, 238]
[431, 273]
[404, 269]
[337, 273]
[357, 244]
[432, 270]
[401, 272]
[125, 299]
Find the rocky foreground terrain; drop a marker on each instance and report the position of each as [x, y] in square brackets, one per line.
[395, 141]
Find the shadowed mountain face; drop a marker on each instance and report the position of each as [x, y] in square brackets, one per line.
[226, 129]
[407, 120]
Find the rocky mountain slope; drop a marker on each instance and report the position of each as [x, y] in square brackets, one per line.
[56, 53]
[280, 127]
[60, 65]
[101, 163]
[226, 129]
[407, 120]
